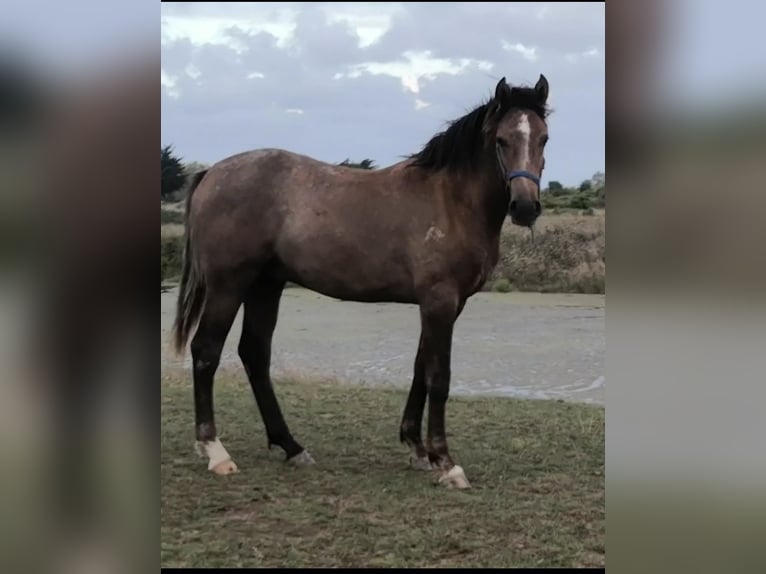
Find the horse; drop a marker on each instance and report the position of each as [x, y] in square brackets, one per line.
[423, 231]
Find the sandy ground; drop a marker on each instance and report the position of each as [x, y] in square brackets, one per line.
[513, 344]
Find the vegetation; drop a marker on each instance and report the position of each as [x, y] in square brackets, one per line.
[536, 470]
[173, 173]
[364, 164]
[169, 216]
[590, 194]
[171, 257]
[567, 255]
[502, 285]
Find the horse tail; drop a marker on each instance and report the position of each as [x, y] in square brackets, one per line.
[191, 292]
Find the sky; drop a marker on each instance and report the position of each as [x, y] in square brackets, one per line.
[375, 80]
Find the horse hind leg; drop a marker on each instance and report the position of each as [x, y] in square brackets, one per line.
[260, 320]
[206, 347]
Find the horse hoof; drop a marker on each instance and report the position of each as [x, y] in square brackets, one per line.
[303, 458]
[219, 460]
[454, 478]
[225, 467]
[419, 462]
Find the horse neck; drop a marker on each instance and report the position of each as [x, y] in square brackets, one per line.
[487, 196]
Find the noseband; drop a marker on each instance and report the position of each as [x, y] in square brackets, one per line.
[509, 176]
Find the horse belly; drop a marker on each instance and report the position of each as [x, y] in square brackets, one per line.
[349, 271]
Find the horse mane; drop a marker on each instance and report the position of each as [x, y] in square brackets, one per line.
[460, 146]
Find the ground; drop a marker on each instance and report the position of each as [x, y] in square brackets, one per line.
[536, 466]
[513, 344]
[536, 469]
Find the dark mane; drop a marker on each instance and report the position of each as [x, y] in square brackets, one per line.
[460, 146]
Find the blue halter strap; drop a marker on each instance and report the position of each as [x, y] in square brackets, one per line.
[511, 175]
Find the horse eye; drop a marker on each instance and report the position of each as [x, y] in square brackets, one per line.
[501, 142]
[544, 140]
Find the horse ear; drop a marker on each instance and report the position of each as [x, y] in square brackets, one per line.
[502, 90]
[541, 87]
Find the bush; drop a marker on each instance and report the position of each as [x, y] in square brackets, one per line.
[171, 257]
[502, 285]
[567, 256]
[169, 216]
[579, 201]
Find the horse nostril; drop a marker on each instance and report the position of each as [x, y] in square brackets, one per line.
[538, 207]
[514, 205]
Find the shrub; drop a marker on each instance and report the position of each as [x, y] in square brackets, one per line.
[171, 257]
[169, 216]
[502, 285]
[566, 256]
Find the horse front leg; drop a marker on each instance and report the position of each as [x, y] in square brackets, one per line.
[410, 431]
[438, 315]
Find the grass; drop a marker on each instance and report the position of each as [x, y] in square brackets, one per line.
[568, 255]
[171, 216]
[536, 467]
[171, 256]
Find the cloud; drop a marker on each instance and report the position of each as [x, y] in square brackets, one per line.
[169, 82]
[414, 68]
[576, 56]
[373, 80]
[369, 23]
[193, 71]
[528, 53]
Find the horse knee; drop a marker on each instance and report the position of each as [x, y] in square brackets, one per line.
[205, 358]
[438, 391]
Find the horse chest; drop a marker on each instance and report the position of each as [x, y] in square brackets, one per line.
[476, 265]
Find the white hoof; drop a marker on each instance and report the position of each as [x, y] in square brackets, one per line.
[225, 467]
[302, 459]
[219, 460]
[419, 462]
[454, 478]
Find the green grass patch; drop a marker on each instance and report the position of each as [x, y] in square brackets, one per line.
[536, 468]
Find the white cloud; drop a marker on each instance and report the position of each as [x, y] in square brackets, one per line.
[528, 53]
[214, 29]
[368, 22]
[414, 68]
[413, 61]
[575, 56]
[169, 83]
[192, 71]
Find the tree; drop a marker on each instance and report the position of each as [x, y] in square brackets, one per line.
[173, 174]
[598, 179]
[586, 185]
[555, 186]
[364, 164]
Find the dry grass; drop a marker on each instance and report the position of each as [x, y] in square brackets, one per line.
[536, 467]
[172, 230]
[568, 255]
